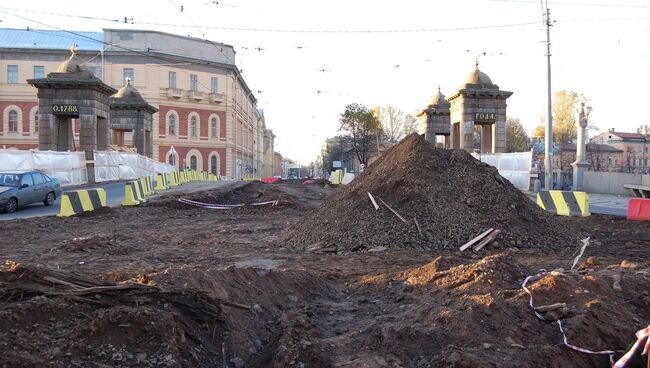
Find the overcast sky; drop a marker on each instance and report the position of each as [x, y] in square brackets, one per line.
[303, 79]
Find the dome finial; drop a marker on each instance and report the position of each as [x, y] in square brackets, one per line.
[73, 50]
[476, 63]
[438, 87]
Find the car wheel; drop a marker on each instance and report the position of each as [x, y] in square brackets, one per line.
[49, 199]
[12, 205]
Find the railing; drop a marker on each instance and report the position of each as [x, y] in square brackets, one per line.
[217, 97]
[174, 93]
[196, 95]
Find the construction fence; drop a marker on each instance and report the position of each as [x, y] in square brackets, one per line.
[513, 166]
[70, 167]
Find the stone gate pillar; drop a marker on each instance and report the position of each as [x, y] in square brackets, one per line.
[478, 102]
[73, 92]
[130, 112]
[434, 119]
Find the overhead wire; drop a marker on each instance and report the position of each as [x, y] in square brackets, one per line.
[147, 54]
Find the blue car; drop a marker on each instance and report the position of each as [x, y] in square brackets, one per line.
[20, 188]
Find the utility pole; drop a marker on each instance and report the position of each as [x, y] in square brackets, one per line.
[548, 136]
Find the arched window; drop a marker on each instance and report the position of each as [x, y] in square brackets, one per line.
[193, 162]
[171, 125]
[13, 121]
[213, 128]
[213, 165]
[193, 132]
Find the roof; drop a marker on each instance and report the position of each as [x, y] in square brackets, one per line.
[591, 147]
[629, 135]
[46, 39]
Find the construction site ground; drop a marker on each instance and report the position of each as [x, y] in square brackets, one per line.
[166, 284]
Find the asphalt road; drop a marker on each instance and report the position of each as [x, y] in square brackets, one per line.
[114, 197]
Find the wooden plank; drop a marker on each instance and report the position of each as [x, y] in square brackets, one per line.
[417, 224]
[393, 211]
[473, 241]
[373, 201]
[487, 240]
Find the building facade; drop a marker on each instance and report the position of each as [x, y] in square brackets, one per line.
[634, 148]
[206, 111]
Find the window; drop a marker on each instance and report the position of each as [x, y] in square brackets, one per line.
[13, 121]
[172, 79]
[46, 178]
[214, 84]
[171, 125]
[194, 81]
[27, 179]
[193, 127]
[12, 74]
[38, 178]
[171, 160]
[213, 165]
[128, 73]
[213, 128]
[193, 162]
[609, 161]
[39, 71]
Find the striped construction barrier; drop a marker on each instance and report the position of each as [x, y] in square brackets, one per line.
[269, 180]
[638, 209]
[161, 182]
[564, 203]
[80, 201]
[133, 193]
[173, 179]
[146, 186]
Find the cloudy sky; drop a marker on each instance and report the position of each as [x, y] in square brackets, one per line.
[306, 60]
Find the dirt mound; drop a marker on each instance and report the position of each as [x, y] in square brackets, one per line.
[453, 196]
[477, 312]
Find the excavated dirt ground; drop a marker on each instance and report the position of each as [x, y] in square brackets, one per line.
[170, 285]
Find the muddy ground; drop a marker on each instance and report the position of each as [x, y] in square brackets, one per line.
[171, 285]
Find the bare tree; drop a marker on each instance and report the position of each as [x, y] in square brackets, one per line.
[410, 124]
[392, 123]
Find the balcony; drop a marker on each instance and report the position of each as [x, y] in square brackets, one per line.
[174, 93]
[217, 97]
[196, 95]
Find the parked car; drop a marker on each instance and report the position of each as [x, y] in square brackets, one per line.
[20, 188]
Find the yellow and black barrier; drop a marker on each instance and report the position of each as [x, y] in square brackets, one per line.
[80, 201]
[564, 203]
[173, 179]
[146, 186]
[133, 193]
[161, 182]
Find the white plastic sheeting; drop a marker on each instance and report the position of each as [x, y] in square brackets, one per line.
[111, 165]
[513, 166]
[68, 167]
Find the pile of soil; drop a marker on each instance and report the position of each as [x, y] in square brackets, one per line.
[447, 197]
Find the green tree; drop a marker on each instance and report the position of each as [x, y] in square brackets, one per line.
[362, 126]
[516, 137]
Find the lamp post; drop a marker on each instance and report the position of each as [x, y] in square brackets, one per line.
[580, 165]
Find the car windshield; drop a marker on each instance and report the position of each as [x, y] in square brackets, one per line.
[9, 180]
